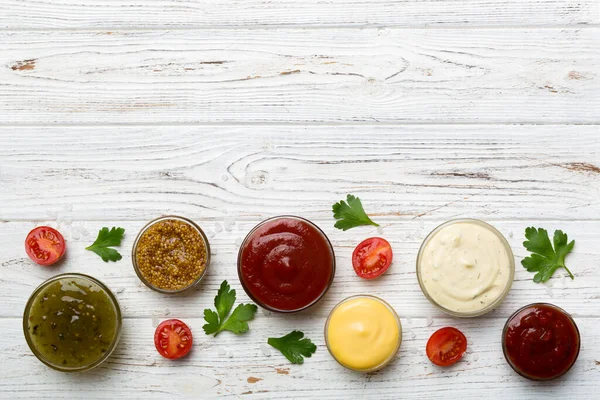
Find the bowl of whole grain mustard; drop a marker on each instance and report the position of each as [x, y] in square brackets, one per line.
[171, 254]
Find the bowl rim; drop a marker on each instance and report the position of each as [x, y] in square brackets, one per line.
[118, 314]
[392, 355]
[524, 374]
[239, 264]
[136, 243]
[492, 305]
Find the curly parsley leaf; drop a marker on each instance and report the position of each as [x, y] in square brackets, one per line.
[104, 241]
[350, 214]
[237, 322]
[545, 259]
[293, 347]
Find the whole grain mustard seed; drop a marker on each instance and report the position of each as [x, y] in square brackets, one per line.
[171, 254]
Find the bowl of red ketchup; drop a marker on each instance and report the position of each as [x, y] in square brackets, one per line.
[541, 341]
[286, 264]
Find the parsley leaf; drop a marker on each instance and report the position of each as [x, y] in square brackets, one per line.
[293, 347]
[351, 214]
[212, 319]
[105, 239]
[545, 259]
[237, 321]
[224, 300]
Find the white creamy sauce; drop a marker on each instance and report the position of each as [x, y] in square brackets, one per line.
[465, 266]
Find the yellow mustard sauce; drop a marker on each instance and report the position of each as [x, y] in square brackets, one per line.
[363, 333]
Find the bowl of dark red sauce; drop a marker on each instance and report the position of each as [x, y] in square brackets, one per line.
[286, 264]
[541, 341]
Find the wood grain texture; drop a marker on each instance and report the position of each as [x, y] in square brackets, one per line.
[383, 75]
[113, 112]
[230, 366]
[399, 286]
[91, 171]
[250, 173]
[242, 367]
[111, 14]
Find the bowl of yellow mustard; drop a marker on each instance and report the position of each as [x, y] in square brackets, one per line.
[363, 333]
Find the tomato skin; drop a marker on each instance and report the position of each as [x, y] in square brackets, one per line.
[45, 245]
[372, 257]
[446, 346]
[173, 339]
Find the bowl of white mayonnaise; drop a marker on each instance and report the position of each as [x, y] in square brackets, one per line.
[465, 267]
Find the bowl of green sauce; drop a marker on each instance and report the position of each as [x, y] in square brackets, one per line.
[72, 322]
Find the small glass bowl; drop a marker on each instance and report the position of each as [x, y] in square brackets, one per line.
[239, 265]
[117, 315]
[516, 368]
[492, 304]
[392, 354]
[139, 236]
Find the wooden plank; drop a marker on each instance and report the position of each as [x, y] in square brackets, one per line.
[110, 14]
[385, 75]
[234, 367]
[399, 286]
[250, 173]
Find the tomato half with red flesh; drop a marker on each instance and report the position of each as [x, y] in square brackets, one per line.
[45, 245]
[173, 339]
[372, 257]
[446, 346]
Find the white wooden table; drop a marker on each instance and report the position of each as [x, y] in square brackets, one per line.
[113, 112]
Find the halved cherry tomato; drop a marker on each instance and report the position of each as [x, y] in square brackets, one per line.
[173, 339]
[372, 257]
[45, 245]
[446, 346]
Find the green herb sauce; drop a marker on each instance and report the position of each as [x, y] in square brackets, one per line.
[72, 322]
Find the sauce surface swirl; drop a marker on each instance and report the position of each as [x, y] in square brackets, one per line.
[363, 333]
[465, 266]
[286, 263]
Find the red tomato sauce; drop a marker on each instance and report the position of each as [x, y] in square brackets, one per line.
[286, 264]
[541, 341]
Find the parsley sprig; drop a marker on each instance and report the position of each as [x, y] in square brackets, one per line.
[237, 322]
[545, 259]
[350, 214]
[293, 347]
[106, 239]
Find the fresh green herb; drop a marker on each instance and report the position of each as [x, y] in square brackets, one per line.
[545, 259]
[351, 214]
[103, 242]
[293, 347]
[237, 322]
